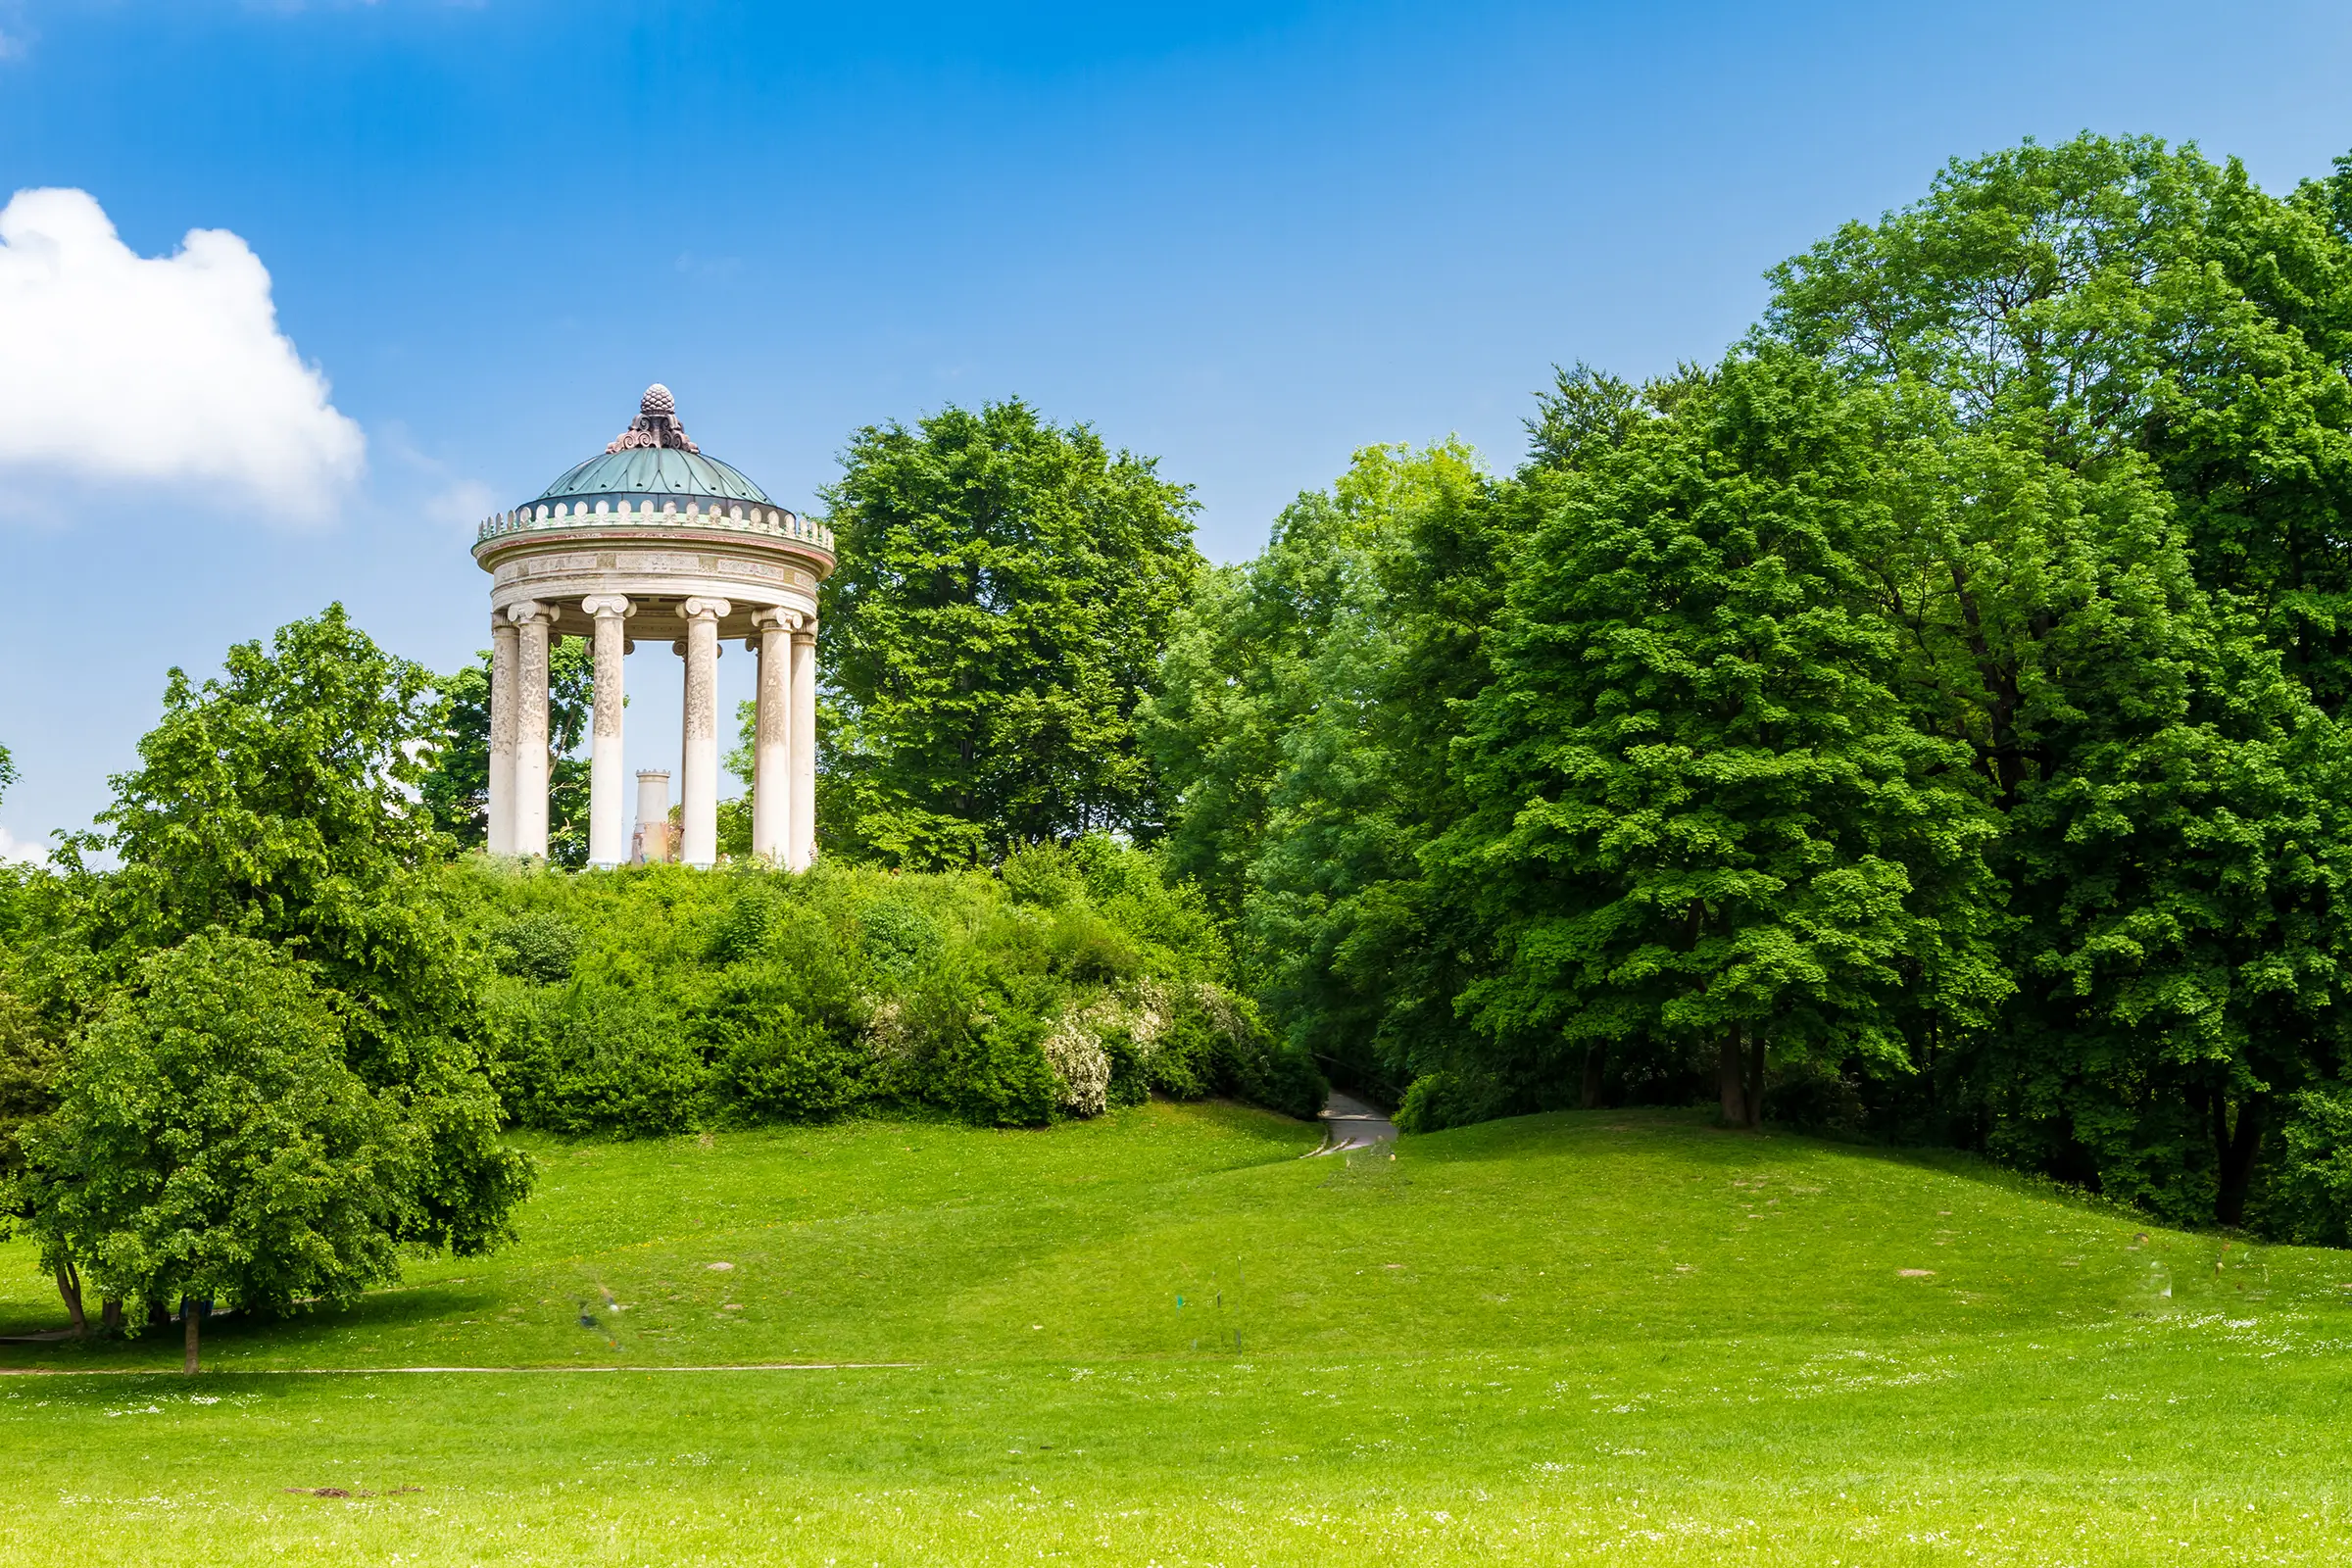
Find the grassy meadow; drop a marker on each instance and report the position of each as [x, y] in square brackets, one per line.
[1618, 1337]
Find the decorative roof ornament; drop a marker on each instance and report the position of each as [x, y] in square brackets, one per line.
[655, 425]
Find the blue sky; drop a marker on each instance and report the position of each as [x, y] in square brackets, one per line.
[1246, 239]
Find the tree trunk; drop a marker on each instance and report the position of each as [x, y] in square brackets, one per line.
[109, 1315]
[159, 1316]
[1597, 1060]
[68, 1285]
[190, 1318]
[1755, 1082]
[2236, 1147]
[1731, 1076]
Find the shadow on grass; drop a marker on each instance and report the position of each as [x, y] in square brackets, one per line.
[1696, 1138]
[400, 1307]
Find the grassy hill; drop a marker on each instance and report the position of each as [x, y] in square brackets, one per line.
[1615, 1336]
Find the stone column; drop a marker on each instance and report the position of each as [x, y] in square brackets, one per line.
[698, 790]
[503, 650]
[800, 843]
[653, 816]
[771, 738]
[531, 619]
[608, 808]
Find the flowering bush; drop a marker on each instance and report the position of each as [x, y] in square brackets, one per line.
[652, 999]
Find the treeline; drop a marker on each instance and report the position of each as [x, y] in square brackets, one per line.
[1926, 722]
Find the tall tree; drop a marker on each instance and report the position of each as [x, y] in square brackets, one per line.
[212, 1143]
[1705, 821]
[2173, 823]
[275, 802]
[2156, 350]
[1004, 591]
[1291, 729]
[2114, 294]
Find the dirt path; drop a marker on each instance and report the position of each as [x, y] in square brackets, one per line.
[1349, 1123]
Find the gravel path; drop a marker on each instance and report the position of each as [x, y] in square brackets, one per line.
[1349, 1123]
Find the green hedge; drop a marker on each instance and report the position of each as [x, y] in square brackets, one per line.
[656, 1000]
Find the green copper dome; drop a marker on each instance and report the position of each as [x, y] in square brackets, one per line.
[656, 474]
[652, 460]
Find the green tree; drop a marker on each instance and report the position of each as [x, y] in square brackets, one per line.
[274, 801]
[210, 1142]
[1704, 819]
[2116, 295]
[1235, 677]
[1300, 730]
[2146, 357]
[454, 787]
[2172, 838]
[1005, 588]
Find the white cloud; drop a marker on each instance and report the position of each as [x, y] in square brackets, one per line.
[15, 849]
[124, 369]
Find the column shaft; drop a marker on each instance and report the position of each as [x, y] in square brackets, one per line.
[530, 728]
[772, 743]
[503, 651]
[800, 844]
[699, 789]
[607, 805]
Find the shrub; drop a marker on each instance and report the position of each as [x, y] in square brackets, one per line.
[774, 1060]
[656, 999]
[535, 947]
[595, 1059]
[2310, 1191]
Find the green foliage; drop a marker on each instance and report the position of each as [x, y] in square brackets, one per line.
[598, 1057]
[51, 985]
[2117, 295]
[272, 802]
[456, 787]
[775, 1062]
[1302, 728]
[656, 1000]
[538, 947]
[30, 1061]
[1701, 813]
[210, 1140]
[1924, 723]
[2310, 1182]
[1005, 589]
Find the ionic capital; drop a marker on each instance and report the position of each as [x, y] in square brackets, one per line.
[806, 631]
[600, 606]
[775, 617]
[714, 608]
[530, 609]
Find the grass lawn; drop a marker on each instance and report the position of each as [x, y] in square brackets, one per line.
[1615, 1336]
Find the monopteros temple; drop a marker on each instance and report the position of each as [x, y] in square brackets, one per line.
[653, 539]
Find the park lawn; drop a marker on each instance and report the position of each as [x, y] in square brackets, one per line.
[1613, 1337]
